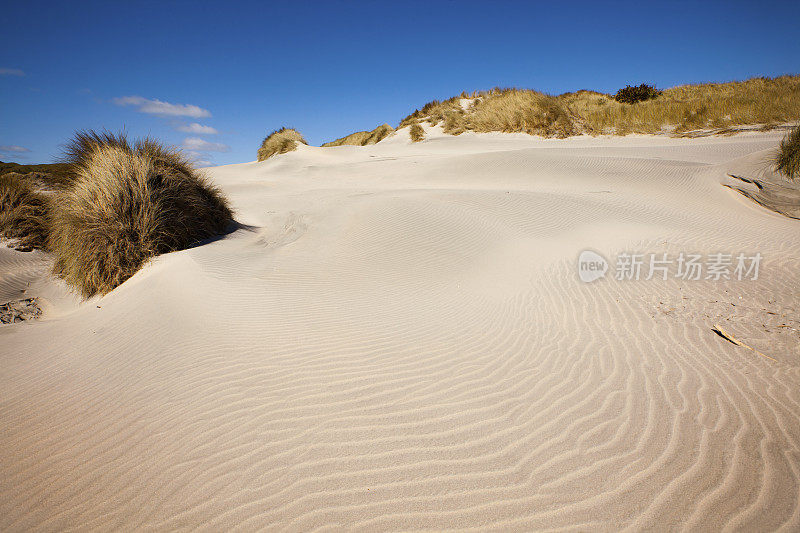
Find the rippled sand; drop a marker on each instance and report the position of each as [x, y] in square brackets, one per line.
[398, 339]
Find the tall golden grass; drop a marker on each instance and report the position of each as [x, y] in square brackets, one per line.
[127, 204]
[279, 142]
[416, 132]
[363, 138]
[679, 109]
[787, 160]
[23, 212]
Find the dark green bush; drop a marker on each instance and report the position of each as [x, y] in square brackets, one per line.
[631, 95]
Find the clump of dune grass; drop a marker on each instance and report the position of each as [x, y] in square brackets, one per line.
[788, 159]
[363, 138]
[280, 142]
[435, 111]
[128, 203]
[23, 212]
[416, 133]
[532, 112]
[505, 110]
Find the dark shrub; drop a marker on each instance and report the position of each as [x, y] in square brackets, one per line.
[631, 95]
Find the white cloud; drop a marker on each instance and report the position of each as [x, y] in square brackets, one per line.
[11, 72]
[196, 144]
[14, 149]
[198, 158]
[199, 129]
[157, 107]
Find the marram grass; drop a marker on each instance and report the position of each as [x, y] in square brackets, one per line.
[279, 142]
[787, 160]
[416, 132]
[680, 109]
[23, 212]
[363, 138]
[127, 204]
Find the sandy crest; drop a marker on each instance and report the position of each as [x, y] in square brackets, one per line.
[398, 339]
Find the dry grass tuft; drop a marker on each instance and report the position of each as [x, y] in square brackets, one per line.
[23, 212]
[279, 142]
[788, 158]
[416, 132]
[363, 138]
[511, 110]
[127, 204]
[434, 112]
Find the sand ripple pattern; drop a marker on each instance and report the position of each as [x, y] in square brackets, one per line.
[391, 350]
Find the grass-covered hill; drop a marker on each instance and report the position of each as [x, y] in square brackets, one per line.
[679, 110]
[56, 174]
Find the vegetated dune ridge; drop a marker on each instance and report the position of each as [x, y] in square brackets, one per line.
[400, 340]
[685, 110]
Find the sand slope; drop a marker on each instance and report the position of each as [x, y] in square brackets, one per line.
[398, 339]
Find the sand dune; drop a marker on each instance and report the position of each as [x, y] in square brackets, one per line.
[397, 338]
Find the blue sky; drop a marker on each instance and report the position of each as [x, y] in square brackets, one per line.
[215, 77]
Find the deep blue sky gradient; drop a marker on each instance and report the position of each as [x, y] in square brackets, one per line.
[331, 68]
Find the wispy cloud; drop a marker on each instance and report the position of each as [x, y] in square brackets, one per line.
[199, 129]
[196, 144]
[200, 159]
[158, 107]
[13, 149]
[11, 72]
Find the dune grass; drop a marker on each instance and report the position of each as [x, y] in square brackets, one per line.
[766, 101]
[280, 142]
[23, 212]
[53, 175]
[521, 111]
[690, 107]
[363, 138]
[787, 160]
[128, 203]
[416, 132]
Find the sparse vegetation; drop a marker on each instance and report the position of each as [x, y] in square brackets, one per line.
[788, 158]
[363, 138]
[416, 132]
[127, 204]
[640, 93]
[52, 175]
[280, 142]
[708, 106]
[23, 212]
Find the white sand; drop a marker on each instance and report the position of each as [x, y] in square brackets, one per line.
[401, 341]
